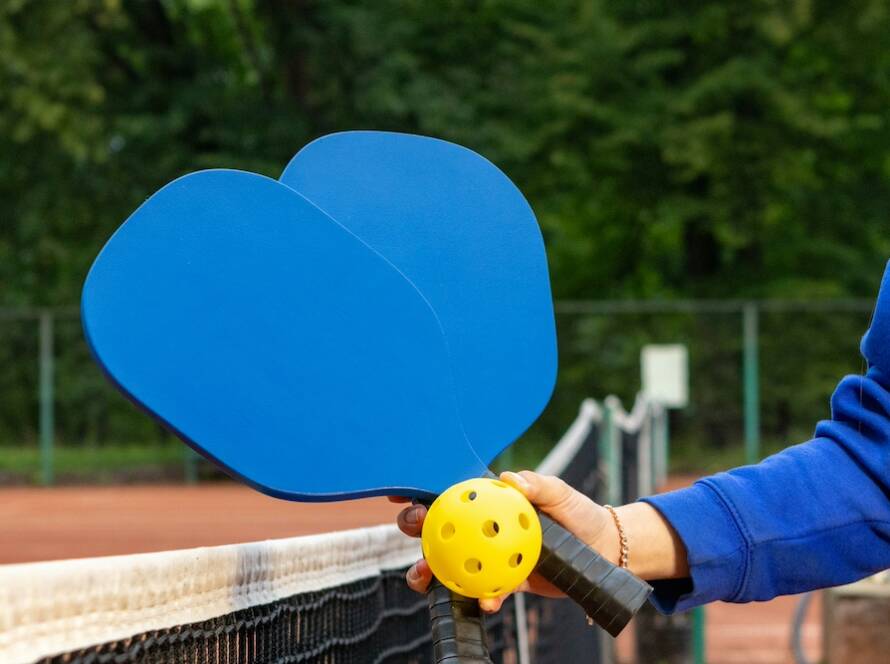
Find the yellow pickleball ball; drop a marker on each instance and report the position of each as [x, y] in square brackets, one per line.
[481, 538]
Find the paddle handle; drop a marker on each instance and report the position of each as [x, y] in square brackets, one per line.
[458, 627]
[610, 595]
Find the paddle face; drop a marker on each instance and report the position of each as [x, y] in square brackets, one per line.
[461, 231]
[276, 343]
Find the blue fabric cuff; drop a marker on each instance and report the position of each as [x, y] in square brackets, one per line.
[717, 549]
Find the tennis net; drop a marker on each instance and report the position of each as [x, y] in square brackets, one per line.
[334, 598]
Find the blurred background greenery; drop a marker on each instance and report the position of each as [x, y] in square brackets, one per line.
[671, 150]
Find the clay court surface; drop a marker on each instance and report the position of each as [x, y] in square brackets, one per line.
[76, 522]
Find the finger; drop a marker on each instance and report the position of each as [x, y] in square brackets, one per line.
[573, 510]
[545, 491]
[398, 499]
[410, 520]
[534, 584]
[540, 586]
[517, 481]
[419, 576]
[492, 604]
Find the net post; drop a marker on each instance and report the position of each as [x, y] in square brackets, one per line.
[606, 651]
[523, 651]
[610, 454]
[45, 396]
[750, 334]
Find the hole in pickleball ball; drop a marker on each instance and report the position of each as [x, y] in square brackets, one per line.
[473, 565]
[515, 560]
[469, 496]
[490, 528]
[447, 531]
[524, 521]
[495, 590]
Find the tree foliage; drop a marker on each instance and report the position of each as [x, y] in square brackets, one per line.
[670, 149]
[683, 148]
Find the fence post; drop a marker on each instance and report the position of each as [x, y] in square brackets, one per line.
[664, 446]
[750, 333]
[612, 455]
[646, 453]
[46, 398]
[190, 463]
[698, 635]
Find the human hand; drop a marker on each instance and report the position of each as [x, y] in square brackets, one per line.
[577, 513]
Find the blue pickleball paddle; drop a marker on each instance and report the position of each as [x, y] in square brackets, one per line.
[458, 229]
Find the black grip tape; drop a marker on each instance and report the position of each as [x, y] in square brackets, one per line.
[458, 627]
[610, 595]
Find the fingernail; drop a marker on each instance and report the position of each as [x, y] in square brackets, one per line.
[411, 517]
[413, 574]
[518, 480]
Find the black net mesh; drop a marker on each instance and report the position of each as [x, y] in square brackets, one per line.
[658, 638]
[558, 630]
[370, 620]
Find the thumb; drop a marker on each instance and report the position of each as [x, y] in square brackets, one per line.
[571, 509]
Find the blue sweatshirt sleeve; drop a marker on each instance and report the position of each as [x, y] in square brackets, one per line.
[814, 515]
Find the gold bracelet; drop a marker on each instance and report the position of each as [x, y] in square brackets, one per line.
[624, 552]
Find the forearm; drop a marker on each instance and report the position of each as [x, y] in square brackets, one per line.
[811, 516]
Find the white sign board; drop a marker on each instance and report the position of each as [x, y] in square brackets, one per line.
[665, 369]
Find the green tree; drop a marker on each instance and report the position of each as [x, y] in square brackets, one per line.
[670, 149]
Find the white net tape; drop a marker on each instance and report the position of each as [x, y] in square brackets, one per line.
[52, 607]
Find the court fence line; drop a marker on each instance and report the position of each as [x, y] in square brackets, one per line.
[45, 319]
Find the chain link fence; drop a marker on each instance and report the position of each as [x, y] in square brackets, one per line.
[761, 373]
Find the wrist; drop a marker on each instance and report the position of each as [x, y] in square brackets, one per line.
[623, 550]
[655, 550]
[633, 525]
[607, 541]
